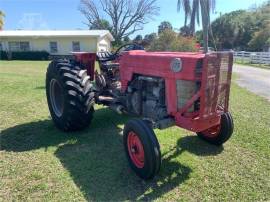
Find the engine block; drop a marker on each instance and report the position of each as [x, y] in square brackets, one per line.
[146, 97]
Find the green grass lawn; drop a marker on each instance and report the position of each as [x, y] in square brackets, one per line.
[40, 163]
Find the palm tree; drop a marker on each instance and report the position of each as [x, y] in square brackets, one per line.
[194, 15]
[186, 6]
[2, 15]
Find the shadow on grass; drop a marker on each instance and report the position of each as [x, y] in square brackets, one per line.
[43, 134]
[195, 145]
[40, 88]
[96, 161]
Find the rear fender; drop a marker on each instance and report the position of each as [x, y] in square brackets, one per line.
[88, 60]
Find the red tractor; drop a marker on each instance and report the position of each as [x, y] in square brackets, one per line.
[189, 90]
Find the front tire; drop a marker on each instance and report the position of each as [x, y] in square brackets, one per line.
[70, 96]
[217, 135]
[142, 149]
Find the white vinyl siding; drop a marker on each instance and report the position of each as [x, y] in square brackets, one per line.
[64, 44]
[104, 44]
[66, 41]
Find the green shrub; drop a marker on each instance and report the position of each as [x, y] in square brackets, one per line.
[169, 40]
[24, 55]
[3, 55]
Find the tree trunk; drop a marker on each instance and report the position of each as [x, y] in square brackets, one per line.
[205, 23]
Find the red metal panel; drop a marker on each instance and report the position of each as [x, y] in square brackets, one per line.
[171, 102]
[157, 64]
[87, 59]
[196, 124]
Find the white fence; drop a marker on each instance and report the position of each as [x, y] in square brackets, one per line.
[253, 57]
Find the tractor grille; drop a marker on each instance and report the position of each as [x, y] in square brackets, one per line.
[217, 78]
[185, 90]
[224, 81]
[214, 85]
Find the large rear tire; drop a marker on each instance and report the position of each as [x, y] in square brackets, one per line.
[219, 134]
[142, 149]
[70, 95]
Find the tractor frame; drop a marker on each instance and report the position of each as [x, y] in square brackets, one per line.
[163, 89]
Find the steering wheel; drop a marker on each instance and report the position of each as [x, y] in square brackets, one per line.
[128, 47]
[107, 56]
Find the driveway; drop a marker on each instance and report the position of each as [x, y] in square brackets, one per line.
[254, 79]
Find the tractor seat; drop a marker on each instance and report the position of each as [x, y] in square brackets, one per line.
[105, 56]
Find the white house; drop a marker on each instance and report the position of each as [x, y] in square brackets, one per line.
[56, 42]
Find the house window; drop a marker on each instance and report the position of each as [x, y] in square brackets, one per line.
[24, 46]
[53, 47]
[19, 46]
[14, 46]
[76, 46]
[1, 46]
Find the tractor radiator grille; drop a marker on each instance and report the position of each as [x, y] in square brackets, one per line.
[217, 78]
[224, 81]
[185, 90]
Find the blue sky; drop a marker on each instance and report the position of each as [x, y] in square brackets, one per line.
[64, 14]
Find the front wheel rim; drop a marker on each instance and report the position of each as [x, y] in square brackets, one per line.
[56, 97]
[135, 149]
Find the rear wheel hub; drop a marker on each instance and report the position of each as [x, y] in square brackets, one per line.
[56, 97]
